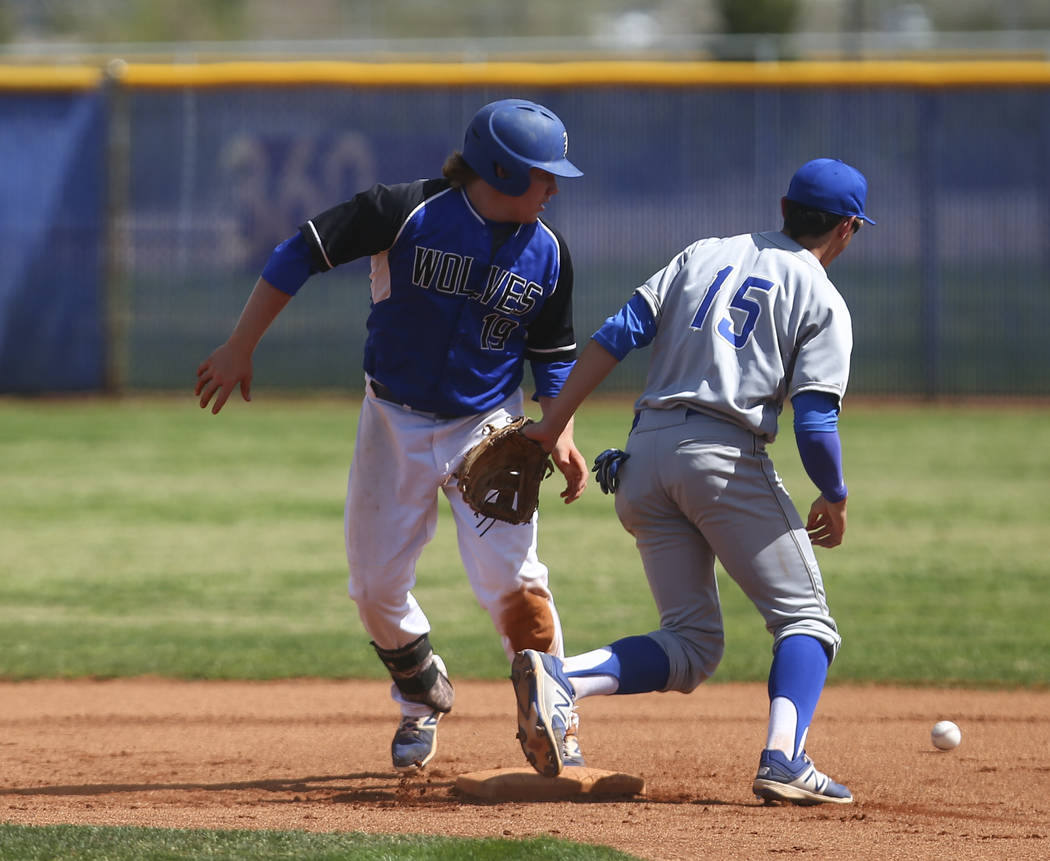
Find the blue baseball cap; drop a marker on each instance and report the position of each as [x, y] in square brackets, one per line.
[830, 185]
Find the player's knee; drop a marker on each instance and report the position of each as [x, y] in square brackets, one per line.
[357, 588]
[527, 621]
[702, 665]
[696, 661]
[373, 586]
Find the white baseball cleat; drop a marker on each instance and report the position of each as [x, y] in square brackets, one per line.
[415, 742]
[796, 781]
[545, 699]
[571, 755]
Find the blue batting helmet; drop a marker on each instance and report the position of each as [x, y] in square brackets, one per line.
[516, 135]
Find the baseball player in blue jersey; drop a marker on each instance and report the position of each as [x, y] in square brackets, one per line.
[467, 283]
[737, 326]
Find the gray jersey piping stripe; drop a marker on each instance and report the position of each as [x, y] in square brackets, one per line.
[571, 346]
[557, 245]
[317, 239]
[470, 206]
[412, 214]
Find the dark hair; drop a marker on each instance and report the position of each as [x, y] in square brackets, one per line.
[457, 171]
[800, 220]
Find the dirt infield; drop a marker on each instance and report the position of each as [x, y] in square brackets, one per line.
[313, 755]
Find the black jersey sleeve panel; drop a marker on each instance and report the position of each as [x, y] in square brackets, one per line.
[551, 337]
[366, 224]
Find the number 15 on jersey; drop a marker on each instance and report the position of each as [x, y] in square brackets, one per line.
[740, 302]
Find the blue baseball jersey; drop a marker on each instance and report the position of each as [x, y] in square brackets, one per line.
[458, 302]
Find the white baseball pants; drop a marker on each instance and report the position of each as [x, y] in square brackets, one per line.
[401, 459]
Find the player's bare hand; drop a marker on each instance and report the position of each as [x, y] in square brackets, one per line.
[827, 522]
[542, 433]
[221, 373]
[573, 466]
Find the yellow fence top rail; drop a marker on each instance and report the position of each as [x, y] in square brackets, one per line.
[590, 74]
[586, 73]
[49, 77]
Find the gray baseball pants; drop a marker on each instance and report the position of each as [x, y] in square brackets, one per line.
[696, 489]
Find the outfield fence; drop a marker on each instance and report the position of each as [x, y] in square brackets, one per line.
[140, 201]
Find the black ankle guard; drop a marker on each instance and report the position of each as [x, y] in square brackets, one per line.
[417, 675]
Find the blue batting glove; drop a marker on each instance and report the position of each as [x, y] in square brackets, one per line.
[607, 469]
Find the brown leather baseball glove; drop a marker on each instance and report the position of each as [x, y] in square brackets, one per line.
[500, 476]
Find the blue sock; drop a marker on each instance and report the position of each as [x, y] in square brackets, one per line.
[644, 666]
[800, 667]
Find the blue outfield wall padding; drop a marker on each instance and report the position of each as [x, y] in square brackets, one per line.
[52, 220]
[948, 292]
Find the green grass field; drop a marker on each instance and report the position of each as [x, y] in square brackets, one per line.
[145, 536]
[58, 843]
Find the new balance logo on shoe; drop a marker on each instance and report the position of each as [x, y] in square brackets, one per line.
[545, 700]
[796, 781]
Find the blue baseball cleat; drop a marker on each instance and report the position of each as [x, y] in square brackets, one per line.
[796, 781]
[545, 699]
[415, 742]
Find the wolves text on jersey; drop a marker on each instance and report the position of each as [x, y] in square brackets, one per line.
[447, 272]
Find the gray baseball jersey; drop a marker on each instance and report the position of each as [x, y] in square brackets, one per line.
[775, 326]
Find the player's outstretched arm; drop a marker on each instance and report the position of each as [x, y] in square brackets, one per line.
[593, 366]
[569, 460]
[230, 365]
[827, 522]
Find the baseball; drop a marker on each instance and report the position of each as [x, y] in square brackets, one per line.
[116, 68]
[945, 735]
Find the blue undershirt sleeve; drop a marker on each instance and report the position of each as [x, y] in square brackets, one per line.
[819, 446]
[289, 265]
[549, 378]
[631, 327]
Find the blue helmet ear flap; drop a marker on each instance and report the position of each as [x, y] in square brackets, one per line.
[516, 135]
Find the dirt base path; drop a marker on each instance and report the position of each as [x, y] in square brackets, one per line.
[314, 755]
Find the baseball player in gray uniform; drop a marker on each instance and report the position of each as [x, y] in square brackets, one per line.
[467, 284]
[738, 326]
